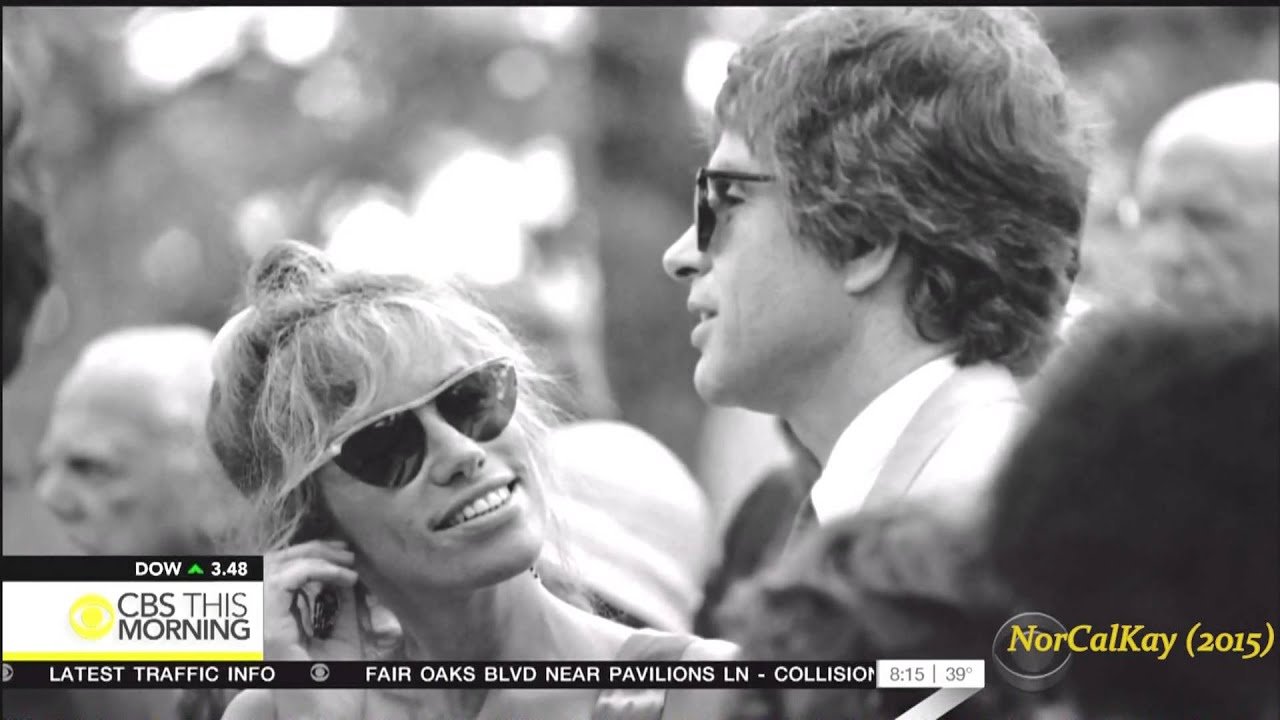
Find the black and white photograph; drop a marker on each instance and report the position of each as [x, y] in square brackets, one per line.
[641, 363]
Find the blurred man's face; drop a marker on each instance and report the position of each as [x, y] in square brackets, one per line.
[1210, 225]
[113, 469]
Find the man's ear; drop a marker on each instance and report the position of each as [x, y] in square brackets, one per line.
[868, 269]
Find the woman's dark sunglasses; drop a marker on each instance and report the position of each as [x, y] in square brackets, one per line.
[708, 192]
[389, 450]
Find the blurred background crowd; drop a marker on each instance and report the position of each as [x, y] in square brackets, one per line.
[543, 154]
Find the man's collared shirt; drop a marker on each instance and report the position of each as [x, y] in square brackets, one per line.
[862, 449]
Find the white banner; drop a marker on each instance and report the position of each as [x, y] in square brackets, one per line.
[139, 621]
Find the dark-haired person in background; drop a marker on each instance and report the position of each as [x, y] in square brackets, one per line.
[885, 235]
[759, 528]
[26, 251]
[905, 581]
[1148, 491]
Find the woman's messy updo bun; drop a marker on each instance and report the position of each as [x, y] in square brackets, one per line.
[286, 268]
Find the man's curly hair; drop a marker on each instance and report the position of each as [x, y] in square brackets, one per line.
[948, 129]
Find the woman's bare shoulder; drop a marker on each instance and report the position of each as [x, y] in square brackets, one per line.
[256, 704]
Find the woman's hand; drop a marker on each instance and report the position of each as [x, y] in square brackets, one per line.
[310, 614]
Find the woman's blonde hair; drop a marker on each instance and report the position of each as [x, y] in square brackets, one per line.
[306, 360]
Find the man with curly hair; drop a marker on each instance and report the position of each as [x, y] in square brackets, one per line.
[885, 236]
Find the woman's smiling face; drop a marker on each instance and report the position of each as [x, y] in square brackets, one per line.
[472, 516]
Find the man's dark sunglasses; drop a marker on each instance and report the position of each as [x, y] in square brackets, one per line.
[708, 187]
[388, 451]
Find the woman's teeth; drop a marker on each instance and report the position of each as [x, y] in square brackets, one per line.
[481, 506]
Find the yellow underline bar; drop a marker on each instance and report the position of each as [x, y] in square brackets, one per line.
[132, 656]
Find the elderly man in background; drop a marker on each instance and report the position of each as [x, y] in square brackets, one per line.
[124, 466]
[1207, 198]
[125, 469]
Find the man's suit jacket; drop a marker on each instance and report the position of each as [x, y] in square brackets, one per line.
[952, 446]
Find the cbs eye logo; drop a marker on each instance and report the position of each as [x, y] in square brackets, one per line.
[92, 617]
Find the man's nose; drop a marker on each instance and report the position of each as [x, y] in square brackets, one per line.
[54, 490]
[451, 456]
[683, 261]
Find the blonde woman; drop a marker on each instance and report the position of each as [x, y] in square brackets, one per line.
[389, 431]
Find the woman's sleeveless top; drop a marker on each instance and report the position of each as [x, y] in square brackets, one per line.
[633, 704]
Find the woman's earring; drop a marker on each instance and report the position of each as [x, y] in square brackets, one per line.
[534, 570]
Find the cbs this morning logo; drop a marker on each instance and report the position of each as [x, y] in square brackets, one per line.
[163, 616]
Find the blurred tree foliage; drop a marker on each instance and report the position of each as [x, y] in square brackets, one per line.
[161, 196]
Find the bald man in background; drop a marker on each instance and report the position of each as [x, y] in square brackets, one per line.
[125, 469]
[1208, 199]
[124, 466]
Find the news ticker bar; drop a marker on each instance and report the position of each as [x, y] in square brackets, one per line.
[113, 568]
[526, 675]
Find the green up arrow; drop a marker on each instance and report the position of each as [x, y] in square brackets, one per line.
[195, 569]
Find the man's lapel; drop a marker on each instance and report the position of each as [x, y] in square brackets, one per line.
[933, 422]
